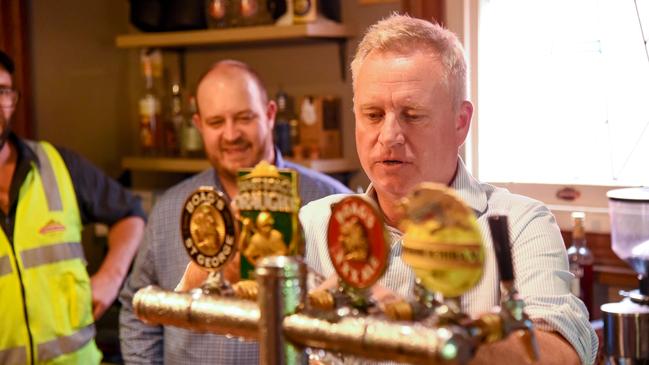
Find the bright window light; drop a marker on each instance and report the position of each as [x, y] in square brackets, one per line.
[563, 90]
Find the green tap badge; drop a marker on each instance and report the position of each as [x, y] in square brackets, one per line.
[268, 204]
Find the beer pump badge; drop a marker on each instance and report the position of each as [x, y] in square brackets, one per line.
[207, 228]
[441, 240]
[357, 243]
[268, 203]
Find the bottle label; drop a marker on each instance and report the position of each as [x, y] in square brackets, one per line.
[192, 139]
[575, 284]
[301, 7]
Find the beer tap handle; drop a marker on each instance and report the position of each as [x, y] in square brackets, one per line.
[528, 340]
[500, 236]
[514, 318]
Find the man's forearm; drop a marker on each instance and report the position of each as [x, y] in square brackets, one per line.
[123, 240]
[553, 349]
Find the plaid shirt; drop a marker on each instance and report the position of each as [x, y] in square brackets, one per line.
[161, 261]
[538, 253]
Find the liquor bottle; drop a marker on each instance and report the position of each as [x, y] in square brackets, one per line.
[305, 11]
[150, 129]
[191, 141]
[581, 261]
[282, 130]
[220, 13]
[174, 121]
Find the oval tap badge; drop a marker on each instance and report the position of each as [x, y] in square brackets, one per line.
[207, 228]
[357, 242]
[441, 241]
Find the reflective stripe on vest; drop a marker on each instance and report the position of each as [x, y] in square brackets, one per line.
[48, 178]
[5, 268]
[51, 254]
[64, 345]
[13, 356]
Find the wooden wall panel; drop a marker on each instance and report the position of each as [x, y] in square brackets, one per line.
[425, 9]
[14, 40]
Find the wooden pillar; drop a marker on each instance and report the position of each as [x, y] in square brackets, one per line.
[15, 41]
[425, 9]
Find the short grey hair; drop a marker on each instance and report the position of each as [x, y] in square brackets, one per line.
[405, 34]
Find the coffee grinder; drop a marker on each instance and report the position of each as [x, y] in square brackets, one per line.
[626, 323]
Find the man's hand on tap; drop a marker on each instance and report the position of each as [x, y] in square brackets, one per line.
[379, 293]
[194, 275]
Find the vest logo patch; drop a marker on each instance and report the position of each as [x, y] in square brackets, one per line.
[52, 226]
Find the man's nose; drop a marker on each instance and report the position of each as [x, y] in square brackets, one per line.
[391, 133]
[231, 131]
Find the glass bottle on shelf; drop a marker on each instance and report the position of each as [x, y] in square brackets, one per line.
[581, 260]
[191, 141]
[150, 128]
[282, 130]
[219, 13]
[174, 121]
[255, 12]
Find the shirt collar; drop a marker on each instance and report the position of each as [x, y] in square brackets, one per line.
[25, 154]
[279, 159]
[465, 186]
[469, 189]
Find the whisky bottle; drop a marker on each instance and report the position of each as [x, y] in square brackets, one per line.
[150, 130]
[581, 260]
[174, 121]
[191, 141]
[282, 130]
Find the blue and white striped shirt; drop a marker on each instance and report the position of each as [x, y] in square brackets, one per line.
[538, 253]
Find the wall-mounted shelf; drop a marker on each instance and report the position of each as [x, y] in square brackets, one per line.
[317, 30]
[320, 30]
[194, 165]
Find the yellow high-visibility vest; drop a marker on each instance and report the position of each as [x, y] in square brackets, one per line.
[46, 305]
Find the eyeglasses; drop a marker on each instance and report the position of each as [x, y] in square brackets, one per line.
[8, 97]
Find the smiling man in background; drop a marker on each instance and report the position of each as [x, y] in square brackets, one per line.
[235, 119]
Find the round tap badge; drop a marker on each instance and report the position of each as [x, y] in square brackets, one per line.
[207, 228]
[441, 240]
[357, 242]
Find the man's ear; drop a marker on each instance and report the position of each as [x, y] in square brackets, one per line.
[271, 112]
[463, 121]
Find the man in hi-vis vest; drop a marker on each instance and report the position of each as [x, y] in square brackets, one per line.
[49, 304]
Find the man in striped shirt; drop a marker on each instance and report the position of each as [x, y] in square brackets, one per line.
[412, 116]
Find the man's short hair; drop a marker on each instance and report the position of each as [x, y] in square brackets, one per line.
[404, 34]
[6, 63]
[241, 65]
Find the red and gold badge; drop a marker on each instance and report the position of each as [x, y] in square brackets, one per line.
[357, 241]
[207, 228]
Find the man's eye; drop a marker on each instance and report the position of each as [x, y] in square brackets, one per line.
[247, 117]
[215, 122]
[409, 117]
[374, 116]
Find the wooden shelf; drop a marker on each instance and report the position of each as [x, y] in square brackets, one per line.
[324, 29]
[194, 165]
